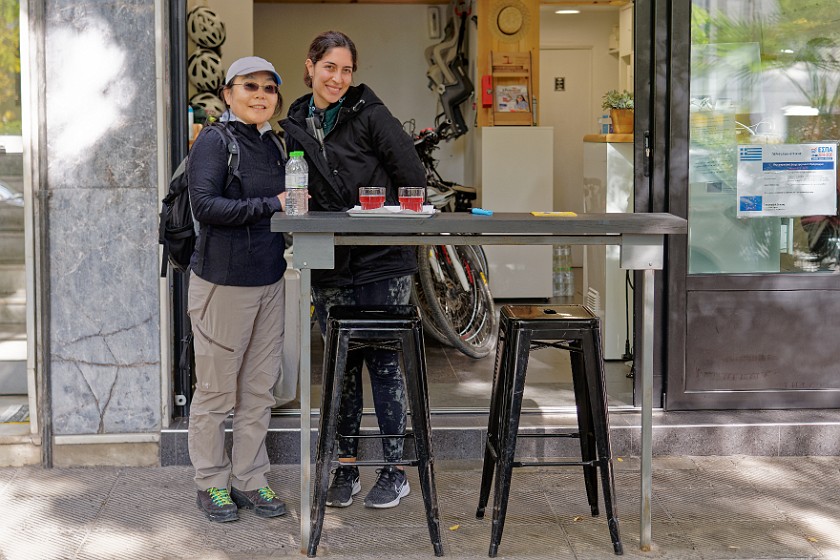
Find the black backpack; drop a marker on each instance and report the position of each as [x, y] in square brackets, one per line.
[178, 228]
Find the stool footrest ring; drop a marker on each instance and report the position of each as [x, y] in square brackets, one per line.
[555, 463]
[400, 463]
[575, 435]
[377, 436]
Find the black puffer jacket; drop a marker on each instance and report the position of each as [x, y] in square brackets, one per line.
[366, 147]
[239, 248]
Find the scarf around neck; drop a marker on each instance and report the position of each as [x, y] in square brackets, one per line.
[326, 116]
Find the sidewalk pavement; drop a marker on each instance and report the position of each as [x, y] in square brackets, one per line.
[733, 507]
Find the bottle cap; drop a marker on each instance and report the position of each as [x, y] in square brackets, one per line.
[296, 154]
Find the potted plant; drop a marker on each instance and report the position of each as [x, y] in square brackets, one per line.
[620, 105]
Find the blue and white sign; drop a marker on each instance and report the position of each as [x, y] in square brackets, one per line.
[787, 180]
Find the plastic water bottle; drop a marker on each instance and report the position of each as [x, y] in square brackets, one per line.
[605, 124]
[190, 122]
[564, 280]
[297, 185]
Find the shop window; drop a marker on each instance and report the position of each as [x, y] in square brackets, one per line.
[764, 128]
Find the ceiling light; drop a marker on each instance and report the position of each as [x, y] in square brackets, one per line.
[567, 12]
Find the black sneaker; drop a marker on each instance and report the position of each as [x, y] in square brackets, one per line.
[389, 488]
[217, 505]
[264, 501]
[344, 486]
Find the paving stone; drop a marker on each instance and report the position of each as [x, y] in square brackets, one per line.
[727, 508]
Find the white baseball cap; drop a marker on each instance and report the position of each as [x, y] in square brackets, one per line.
[249, 65]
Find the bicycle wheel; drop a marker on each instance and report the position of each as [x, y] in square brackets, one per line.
[418, 298]
[481, 258]
[466, 316]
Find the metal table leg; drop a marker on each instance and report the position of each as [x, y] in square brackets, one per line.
[646, 367]
[305, 406]
[311, 251]
[646, 253]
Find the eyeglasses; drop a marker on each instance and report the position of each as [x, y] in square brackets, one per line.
[252, 87]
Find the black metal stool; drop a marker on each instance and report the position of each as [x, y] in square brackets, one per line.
[528, 327]
[395, 327]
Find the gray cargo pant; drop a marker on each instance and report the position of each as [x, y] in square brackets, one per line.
[238, 335]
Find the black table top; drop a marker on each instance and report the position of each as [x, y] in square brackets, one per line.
[498, 223]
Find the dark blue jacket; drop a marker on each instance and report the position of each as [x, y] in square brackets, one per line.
[239, 248]
[366, 147]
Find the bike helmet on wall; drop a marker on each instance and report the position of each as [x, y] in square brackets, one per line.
[211, 104]
[204, 68]
[205, 28]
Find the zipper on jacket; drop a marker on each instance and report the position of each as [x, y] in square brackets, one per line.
[317, 132]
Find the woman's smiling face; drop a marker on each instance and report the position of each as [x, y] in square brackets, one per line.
[252, 107]
[331, 76]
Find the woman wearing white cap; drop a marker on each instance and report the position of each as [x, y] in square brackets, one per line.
[236, 295]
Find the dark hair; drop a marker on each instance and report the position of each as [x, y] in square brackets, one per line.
[322, 44]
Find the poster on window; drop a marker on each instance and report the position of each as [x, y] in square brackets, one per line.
[787, 180]
[512, 99]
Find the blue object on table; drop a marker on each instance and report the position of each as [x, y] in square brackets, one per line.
[482, 212]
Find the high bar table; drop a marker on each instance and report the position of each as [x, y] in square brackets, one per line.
[641, 238]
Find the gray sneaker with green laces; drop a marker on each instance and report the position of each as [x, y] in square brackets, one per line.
[263, 501]
[389, 488]
[344, 486]
[217, 505]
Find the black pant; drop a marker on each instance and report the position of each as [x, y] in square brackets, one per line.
[386, 379]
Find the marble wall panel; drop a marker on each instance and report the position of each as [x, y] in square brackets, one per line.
[100, 88]
[101, 153]
[104, 329]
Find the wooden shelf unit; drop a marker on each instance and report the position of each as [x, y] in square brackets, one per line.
[511, 73]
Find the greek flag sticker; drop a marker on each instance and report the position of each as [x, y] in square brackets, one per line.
[749, 153]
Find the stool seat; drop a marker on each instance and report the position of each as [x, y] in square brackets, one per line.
[523, 328]
[396, 327]
[356, 316]
[555, 313]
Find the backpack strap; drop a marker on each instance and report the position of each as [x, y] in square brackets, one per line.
[233, 155]
[233, 152]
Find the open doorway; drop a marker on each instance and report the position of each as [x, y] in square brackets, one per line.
[456, 382]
